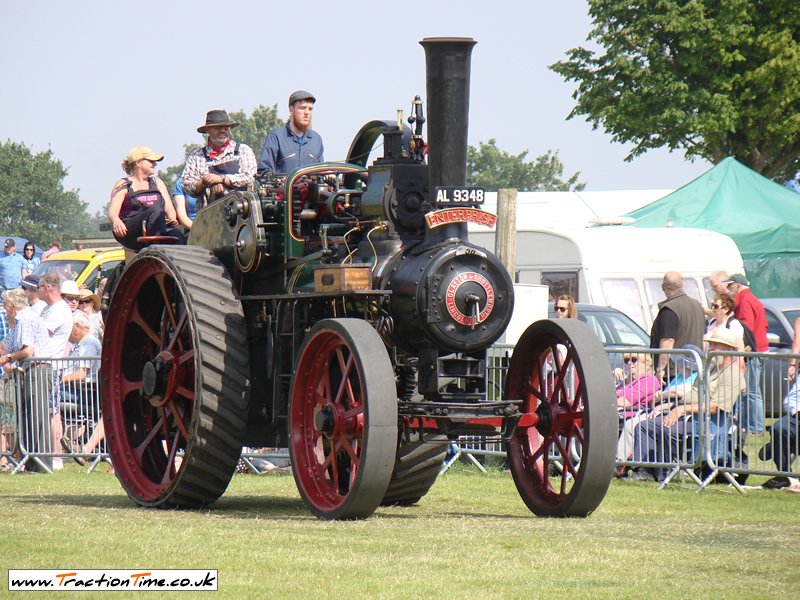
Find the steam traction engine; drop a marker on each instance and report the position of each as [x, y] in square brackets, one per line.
[344, 314]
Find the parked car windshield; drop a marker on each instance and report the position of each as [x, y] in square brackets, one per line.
[612, 327]
[65, 269]
[791, 315]
[615, 328]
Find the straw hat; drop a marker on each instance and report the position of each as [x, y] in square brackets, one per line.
[87, 293]
[724, 336]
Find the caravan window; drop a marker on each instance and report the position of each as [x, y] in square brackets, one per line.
[693, 290]
[655, 294]
[561, 283]
[623, 294]
[710, 293]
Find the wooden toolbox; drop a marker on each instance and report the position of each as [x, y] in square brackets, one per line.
[342, 278]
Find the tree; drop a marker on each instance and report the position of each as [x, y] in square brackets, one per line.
[252, 130]
[33, 202]
[493, 169]
[714, 78]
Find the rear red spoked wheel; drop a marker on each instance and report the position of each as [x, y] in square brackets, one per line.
[174, 354]
[562, 466]
[343, 420]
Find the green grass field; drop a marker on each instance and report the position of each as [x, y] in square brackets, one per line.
[471, 537]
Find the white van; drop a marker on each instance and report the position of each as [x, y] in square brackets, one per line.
[619, 266]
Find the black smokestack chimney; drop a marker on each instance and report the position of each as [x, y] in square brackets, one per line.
[447, 63]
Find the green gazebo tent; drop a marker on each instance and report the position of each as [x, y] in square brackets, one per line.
[761, 216]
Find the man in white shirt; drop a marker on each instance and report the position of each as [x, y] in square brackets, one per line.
[57, 317]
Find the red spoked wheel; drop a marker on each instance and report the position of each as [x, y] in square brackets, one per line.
[173, 378]
[562, 466]
[343, 419]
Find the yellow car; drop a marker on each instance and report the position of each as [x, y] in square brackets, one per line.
[87, 267]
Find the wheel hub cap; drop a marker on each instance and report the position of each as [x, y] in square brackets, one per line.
[155, 378]
[545, 414]
[324, 420]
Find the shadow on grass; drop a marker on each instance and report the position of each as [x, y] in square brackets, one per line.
[227, 507]
[239, 507]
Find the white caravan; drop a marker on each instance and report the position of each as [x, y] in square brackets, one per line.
[619, 266]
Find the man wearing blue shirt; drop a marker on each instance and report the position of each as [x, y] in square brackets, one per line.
[11, 265]
[295, 144]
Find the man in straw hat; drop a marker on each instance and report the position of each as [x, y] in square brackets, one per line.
[659, 439]
[295, 144]
[221, 165]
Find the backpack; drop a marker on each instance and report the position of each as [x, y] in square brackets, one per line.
[749, 336]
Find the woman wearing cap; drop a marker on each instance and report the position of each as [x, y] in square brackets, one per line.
[140, 203]
[31, 261]
[635, 397]
[89, 303]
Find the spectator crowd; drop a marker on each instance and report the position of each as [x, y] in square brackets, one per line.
[47, 326]
[660, 395]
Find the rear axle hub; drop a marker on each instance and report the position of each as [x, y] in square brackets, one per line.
[155, 377]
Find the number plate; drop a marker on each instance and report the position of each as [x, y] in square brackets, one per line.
[459, 196]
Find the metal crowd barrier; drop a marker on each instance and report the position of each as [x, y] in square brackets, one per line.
[711, 445]
[726, 447]
[755, 444]
[44, 418]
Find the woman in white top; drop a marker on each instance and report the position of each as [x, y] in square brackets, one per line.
[722, 308]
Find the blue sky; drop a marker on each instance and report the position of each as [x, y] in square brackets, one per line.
[90, 79]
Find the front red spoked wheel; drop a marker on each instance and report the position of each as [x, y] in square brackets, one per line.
[562, 466]
[174, 371]
[343, 419]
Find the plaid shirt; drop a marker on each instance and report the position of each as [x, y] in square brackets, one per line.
[3, 324]
[197, 165]
[29, 330]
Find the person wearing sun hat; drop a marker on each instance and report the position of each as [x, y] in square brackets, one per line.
[89, 303]
[140, 203]
[659, 439]
[221, 165]
[70, 293]
[295, 144]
